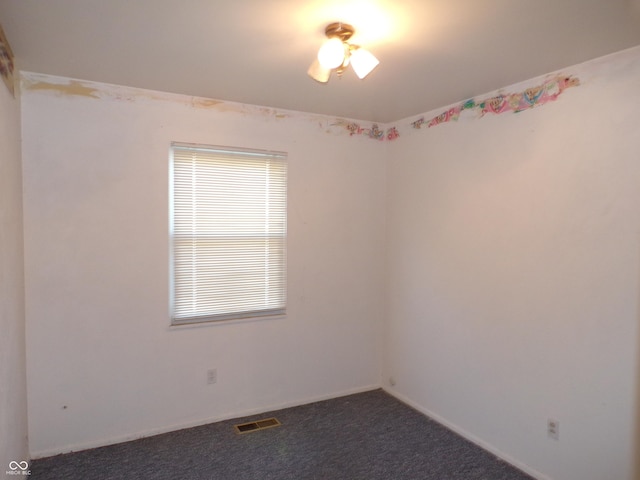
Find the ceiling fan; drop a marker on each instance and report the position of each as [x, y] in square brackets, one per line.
[336, 54]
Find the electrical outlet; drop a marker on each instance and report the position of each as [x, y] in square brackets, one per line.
[212, 376]
[553, 429]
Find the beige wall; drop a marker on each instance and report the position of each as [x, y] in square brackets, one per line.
[514, 275]
[13, 395]
[104, 365]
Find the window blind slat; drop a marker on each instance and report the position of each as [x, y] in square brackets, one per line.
[228, 229]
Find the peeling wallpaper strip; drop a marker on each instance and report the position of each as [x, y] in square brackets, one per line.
[515, 102]
[71, 88]
[66, 87]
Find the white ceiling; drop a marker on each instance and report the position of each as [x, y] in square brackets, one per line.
[432, 52]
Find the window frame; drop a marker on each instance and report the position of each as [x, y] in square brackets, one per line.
[177, 319]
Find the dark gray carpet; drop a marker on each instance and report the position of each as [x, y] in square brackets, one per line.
[367, 436]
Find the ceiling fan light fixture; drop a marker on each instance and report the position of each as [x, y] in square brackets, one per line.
[336, 54]
[363, 62]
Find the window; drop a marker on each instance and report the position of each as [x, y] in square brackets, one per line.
[228, 233]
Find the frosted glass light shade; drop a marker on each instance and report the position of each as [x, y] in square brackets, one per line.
[363, 62]
[318, 72]
[331, 54]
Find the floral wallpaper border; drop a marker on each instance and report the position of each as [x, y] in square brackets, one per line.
[6, 63]
[546, 92]
[374, 132]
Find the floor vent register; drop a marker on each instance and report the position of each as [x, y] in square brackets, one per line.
[257, 425]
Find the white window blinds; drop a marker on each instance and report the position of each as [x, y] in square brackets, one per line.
[228, 233]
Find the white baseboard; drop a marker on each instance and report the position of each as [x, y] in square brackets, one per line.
[195, 423]
[472, 438]
[256, 411]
